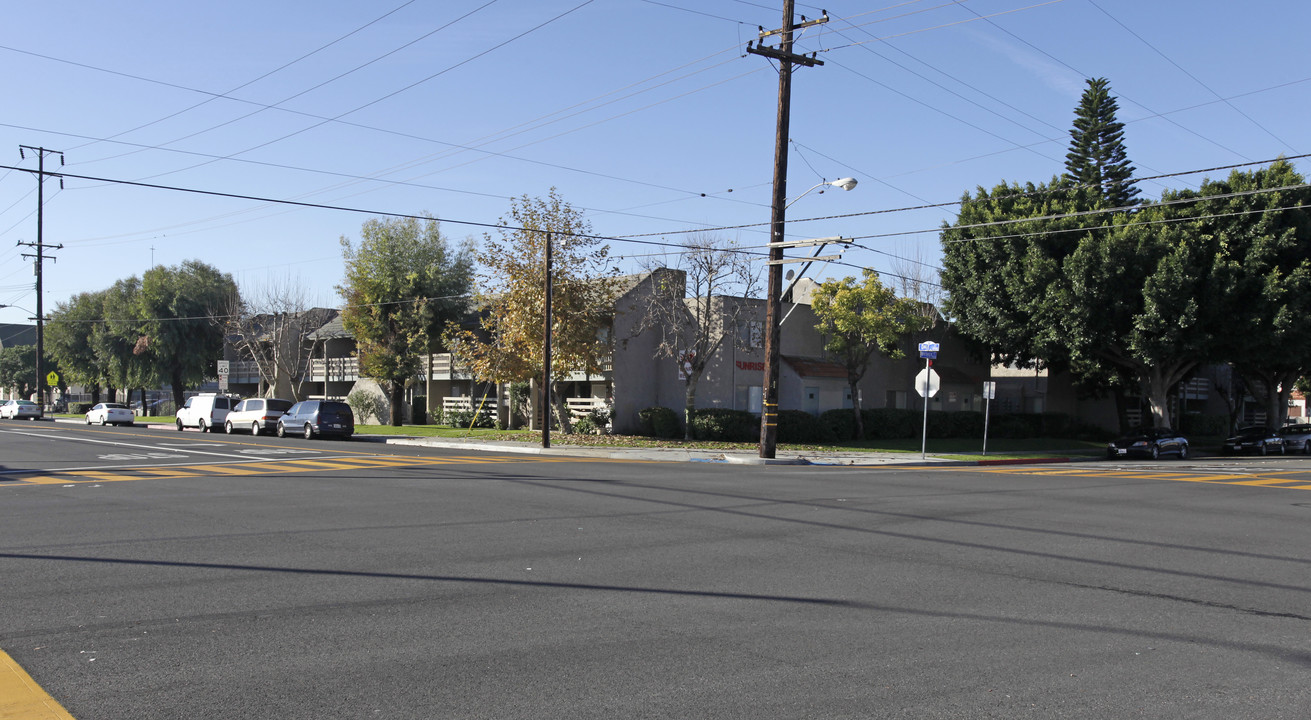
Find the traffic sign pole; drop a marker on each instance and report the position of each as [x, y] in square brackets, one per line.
[924, 393]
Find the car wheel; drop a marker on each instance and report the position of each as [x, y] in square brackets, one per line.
[254, 429]
[282, 430]
[88, 419]
[227, 427]
[179, 424]
[1264, 449]
[104, 420]
[1156, 452]
[1306, 448]
[1183, 451]
[309, 431]
[1283, 450]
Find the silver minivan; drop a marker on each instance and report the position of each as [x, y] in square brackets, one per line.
[258, 415]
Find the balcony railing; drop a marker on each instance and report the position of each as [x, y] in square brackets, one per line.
[338, 369]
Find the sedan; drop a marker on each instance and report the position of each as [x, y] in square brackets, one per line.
[1149, 442]
[1296, 438]
[110, 414]
[1255, 439]
[15, 409]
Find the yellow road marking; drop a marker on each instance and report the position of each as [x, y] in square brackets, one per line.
[22, 699]
[275, 466]
[1272, 479]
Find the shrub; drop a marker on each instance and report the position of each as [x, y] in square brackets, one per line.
[660, 422]
[80, 408]
[967, 424]
[485, 418]
[365, 405]
[891, 423]
[1204, 424]
[724, 424]
[940, 424]
[841, 424]
[798, 426]
[1011, 427]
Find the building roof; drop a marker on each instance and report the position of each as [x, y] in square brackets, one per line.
[12, 335]
[806, 367]
[330, 330]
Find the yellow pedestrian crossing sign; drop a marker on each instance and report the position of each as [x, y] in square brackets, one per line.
[52, 379]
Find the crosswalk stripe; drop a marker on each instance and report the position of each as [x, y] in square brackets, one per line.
[276, 466]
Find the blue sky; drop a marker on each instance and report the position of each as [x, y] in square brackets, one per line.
[648, 115]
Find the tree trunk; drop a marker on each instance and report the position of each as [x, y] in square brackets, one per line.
[1159, 381]
[689, 401]
[179, 390]
[561, 412]
[396, 398]
[855, 408]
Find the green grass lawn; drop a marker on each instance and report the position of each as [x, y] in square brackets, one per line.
[957, 448]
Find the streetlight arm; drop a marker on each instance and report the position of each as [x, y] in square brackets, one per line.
[844, 183]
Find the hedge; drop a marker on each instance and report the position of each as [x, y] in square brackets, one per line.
[800, 427]
[659, 422]
[726, 425]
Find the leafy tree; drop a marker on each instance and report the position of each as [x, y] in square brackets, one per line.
[1001, 267]
[1262, 234]
[1140, 301]
[1097, 158]
[70, 340]
[509, 346]
[18, 368]
[689, 313]
[117, 337]
[178, 309]
[403, 283]
[859, 318]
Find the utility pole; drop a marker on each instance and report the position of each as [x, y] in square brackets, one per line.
[785, 57]
[40, 253]
[546, 349]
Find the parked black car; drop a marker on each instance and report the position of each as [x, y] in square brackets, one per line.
[1254, 439]
[1149, 442]
[317, 417]
[1296, 437]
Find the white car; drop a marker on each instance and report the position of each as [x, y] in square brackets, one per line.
[110, 414]
[205, 412]
[15, 409]
[258, 415]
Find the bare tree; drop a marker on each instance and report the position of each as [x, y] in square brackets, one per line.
[272, 328]
[694, 317]
[915, 278]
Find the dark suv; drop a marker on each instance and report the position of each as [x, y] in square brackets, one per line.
[317, 417]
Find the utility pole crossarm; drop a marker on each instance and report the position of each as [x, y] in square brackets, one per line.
[769, 52]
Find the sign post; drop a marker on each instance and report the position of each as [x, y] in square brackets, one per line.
[926, 384]
[989, 394]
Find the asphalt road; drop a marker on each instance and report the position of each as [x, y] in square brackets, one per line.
[152, 574]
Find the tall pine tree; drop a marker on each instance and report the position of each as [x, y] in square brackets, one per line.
[1097, 157]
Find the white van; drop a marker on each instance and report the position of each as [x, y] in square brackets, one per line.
[205, 411]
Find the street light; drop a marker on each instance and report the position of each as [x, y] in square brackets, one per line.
[844, 183]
